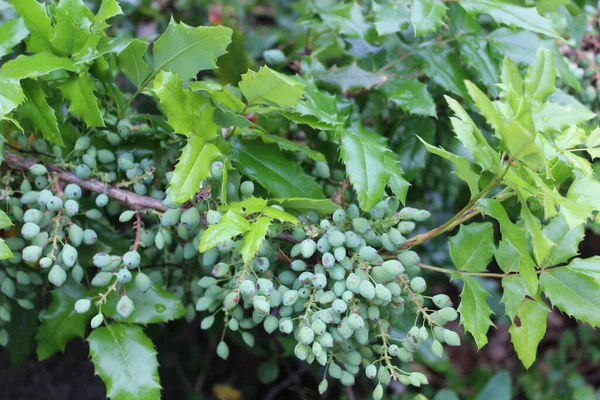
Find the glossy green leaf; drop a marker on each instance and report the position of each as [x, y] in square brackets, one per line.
[587, 266]
[133, 63]
[443, 68]
[265, 164]
[499, 387]
[427, 16]
[390, 18]
[472, 248]
[193, 166]
[12, 32]
[567, 241]
[285, 144]
[410, 95]
[463, 166]
[323, 206]
[586, 191]
[345, 18]
[59, 322]
[79, 90]
[72, 27]
[104, 46]
[185, 50]
[316, 108]
[38, 111]
[38, 23]
[108, 9]
[22, 329]
[125, 359]
[351, 78]
[574, 293]
[540, 242]
[519, 45]
[254, 238]
[269, 87]
[34, 66]
[514, 291]
[249, 205]
[563, 70]
[231, 225]
[526, 18]
[477, 57]
[553, 117]
[365, 166]
[474, 310]
[5, 252]
[189, 113]
[528, 331]
[152, 307]
[275, 213]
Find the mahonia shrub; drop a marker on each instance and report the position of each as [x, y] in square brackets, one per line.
[282, 200]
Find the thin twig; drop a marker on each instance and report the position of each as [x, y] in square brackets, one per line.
[482, 274]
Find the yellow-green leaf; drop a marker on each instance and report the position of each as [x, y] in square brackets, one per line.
[79, 90]
[254, 238]
[231, 225]
[530, 328]
[474, 310]
[268, 87]
[39, 112]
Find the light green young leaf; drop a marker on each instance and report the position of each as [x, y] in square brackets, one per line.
[323, 206]
[587, 266]
[249, 205]
[11, 95]
[151, 307]
[268, 87]
[231, 225]
[563, 70]
[275, 213]
[254, 238]
[398, 185]
[132, 62]
[541, 244]
[104, 46]
[59, 322]
[316, 108]
[513, 294]
[265, 164]
[189, 113]
[567, 241]
[530, 330]
[186, 50]
[193, 166]
[586, 191]
[410, 95]
[34, 66]
[38, 23]
[4, 220]
[390, 18]
[526, 18]
[574, 293]
[79, 90]
[72, 28]
[541, 76]
[365, 166]
[474, 310]
[5, 252]
[472, 248]
[125, 359]
[427, 16]
[221, 95]
[108, 9]
[463, 166]
[350, 78]
[552, 117]
[12, 32]
[39, 112]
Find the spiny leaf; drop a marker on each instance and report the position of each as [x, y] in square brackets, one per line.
[189, 113]
[529, 331]
[151, 307]
[443, 68]
[323, 206]
[60, 322]
[193, 166]
[427, 16]
[79, 90]
[474, 310]
[411, 95]
[574, 293]
[72, 28]
[125, 359]
[345, 18]
[541, 76]
[567, 241]
[268, 87]
[390, 18]
[254, 238]
[39, 112]
[34, 66]
[472, 248]
[4, 220]
[231, 225]
[514, 16]
[132, 62]
[37, 22]
[316, 108]
[351, 78]
[186, 50]
[108, 9]
[265, 164]
[5, 252]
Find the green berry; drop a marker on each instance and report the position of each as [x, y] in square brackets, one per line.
[451, 338]
[125, 307]
[71, 207]
[190, 218]
[321, 170]
[223, 350]
[82, 306]
[31, 253]
[131, 259]
[367, 290]
[213, 217]
[106, 156]
[8, 287]
[207, 322]
[101, 279]
[124, 275]
[38, 169]
[143, 282]
[82, 143]
[69, 255]
[247, 188]
[216, 169]
[101, 200]
[97, 320]
[72, 191]
[82, 171]
[418, 285]
[371, 371]
[89, 236]
[75, 234]
[448, 313]
[57, 276]
[29, 230]
[170, 217]
[323, 386]
[54, 203]
[442, 301]
[308, 248]
[101, 260]
[306, 335]
[437, 348]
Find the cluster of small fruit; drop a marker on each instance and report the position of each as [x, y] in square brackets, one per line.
[346, 282]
